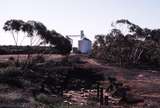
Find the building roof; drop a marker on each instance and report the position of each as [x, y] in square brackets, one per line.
[86, 39]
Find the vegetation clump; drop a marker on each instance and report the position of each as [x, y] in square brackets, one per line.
[38, 34]
[46, 81]
[137, 47]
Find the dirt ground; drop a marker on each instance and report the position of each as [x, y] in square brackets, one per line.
[145, 83]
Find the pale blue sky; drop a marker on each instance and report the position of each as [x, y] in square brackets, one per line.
[71, 16]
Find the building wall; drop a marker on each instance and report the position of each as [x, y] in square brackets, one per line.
[85, 46]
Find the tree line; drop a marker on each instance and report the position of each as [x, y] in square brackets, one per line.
[138, 46]
[12, 49]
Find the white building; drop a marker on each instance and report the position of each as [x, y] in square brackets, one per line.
[85, 46]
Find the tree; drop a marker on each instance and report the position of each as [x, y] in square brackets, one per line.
[14, 26]
[27, 28]
[36, 31]
[140, 46]
[38, 34]
[58, 41]
[50, 37]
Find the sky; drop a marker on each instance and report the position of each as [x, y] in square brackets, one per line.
[68, 17]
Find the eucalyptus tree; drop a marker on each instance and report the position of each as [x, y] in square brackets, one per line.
[28, 31]
[38, 34]
[36, 31]
[139, 32]
[14, 26]
[138, 46]
[58, 41]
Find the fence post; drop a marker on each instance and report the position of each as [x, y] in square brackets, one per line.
[98, 91]
[106, 100]
[101, 96]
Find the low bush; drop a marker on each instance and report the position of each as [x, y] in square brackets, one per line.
[49, 77]
[11, 76]
[49, 100]
[4, 64]
[38, 59]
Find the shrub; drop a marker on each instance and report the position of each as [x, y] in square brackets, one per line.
[11, 76]
[49, 100]
[4, 64]
[11, 59]
[38, 59]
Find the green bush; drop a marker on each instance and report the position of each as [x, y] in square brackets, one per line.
[11, 76]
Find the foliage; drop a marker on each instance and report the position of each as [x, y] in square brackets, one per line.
[57, 77]
[140, 46]
[49, 77]
[14, 26]
[28, 50]
[11, 76]
[60, 43]
[34, 30]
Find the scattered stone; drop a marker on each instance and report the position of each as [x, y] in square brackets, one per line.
[48, 99]
[10, 106]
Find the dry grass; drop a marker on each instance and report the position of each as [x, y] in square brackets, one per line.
[4, 58]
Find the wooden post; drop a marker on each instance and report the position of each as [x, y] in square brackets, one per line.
[98, 91]
[101, 96]
[106, 100]
[61, 91]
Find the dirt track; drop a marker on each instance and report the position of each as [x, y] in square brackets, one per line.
[145, 83]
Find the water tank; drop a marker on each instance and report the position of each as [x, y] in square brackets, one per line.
[85, 46]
